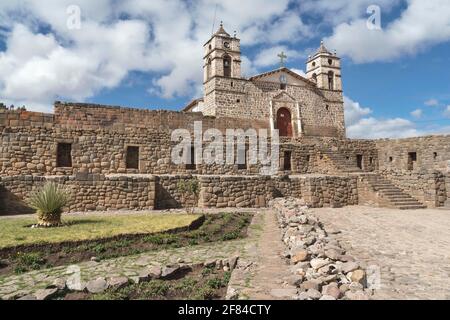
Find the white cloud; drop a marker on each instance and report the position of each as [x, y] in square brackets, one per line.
[338, 11]
[359, 125]
[164, 37]
[372, 128]
[417, 113]
[269, 56]
[432, 103]
[421, 25]
[354, 112]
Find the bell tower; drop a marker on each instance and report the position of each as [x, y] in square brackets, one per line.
[222, 56]
[324, 68]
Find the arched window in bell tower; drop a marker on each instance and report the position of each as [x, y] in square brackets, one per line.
[227, 66]
[331, 80]
[208, 69]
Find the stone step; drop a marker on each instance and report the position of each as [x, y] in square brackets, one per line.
[412, 207]
[394, 195]
[405, 203]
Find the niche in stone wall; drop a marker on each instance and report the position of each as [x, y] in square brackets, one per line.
[190, 159]
[64, 155]
[412, 160]
[287, 161]
[132, 157]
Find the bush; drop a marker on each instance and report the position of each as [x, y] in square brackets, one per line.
[189, 190]
[49, 201]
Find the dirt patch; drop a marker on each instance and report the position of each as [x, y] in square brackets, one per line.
[197, 283]
[218, 227]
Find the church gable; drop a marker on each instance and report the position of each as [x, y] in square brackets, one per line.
[280, 75]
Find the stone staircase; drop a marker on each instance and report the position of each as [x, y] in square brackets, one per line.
[393, 195]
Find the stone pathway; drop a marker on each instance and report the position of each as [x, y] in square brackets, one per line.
[411, 248]
[262, 273]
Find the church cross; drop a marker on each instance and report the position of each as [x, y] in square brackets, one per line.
[282, 57]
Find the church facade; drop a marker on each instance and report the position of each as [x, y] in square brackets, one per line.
[295, 105]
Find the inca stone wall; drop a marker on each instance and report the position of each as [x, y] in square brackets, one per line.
[433, 152]
[99, 138]
[427, 186]
[99, 146]
[87, 192]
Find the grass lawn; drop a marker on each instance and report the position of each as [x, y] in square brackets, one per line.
[16, 231]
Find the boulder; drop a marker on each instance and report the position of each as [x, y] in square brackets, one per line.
[358, 276]
[117, 282]
[97, 286]
[45, 294]
[349, 267]
[332, 290]
[299, 256]
[319, 263]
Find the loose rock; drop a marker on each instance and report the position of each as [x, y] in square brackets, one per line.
[97, 286]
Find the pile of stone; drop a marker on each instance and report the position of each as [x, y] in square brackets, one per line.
[320, 267]
[62, 286]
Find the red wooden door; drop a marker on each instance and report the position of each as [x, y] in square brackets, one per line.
[284, 122]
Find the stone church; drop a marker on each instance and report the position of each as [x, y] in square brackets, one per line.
[295, 105]
[117, 158]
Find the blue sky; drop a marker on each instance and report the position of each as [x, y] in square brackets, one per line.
[148, 54]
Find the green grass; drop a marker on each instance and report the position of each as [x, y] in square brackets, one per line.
[16, 231]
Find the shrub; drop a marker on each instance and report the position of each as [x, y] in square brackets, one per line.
[48, 201]
[29, 261]
[189, 189]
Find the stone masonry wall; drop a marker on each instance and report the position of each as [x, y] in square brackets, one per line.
[433, 152]
[321, 111]
[87, 192]
[426, 186]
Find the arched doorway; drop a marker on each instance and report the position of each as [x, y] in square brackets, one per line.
[284, 122]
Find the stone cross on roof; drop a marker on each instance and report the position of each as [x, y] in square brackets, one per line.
[282, 57]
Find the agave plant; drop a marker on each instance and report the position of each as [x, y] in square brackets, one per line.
[49, 201]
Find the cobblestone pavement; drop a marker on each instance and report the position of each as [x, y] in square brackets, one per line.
[411, 248]
[131, 266]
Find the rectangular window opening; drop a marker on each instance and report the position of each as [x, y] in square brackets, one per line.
[132, 157]
[359, 161]
[412, 159]
[242, 155]
[64, 155]
[190, 163]
[287, 161]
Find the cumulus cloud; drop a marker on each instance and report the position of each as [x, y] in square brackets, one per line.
[44, 60]
[360, 125]
[354, 112]
[338, 11]
[421, 25]
[417, 113]
[372, 128]
[269, 56]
